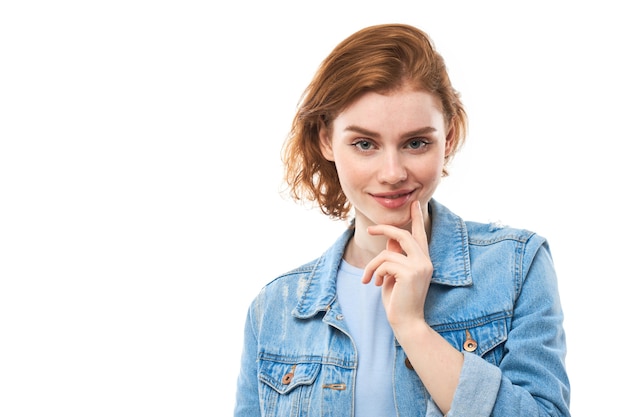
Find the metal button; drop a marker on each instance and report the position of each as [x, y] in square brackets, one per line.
[288, 376]
[470, 344]
[408, 364]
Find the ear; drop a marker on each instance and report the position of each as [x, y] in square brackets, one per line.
[325, 141]
[450, 140]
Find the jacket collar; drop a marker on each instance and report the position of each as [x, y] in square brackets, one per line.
[320, 286]
[448, 247]
[449, 253]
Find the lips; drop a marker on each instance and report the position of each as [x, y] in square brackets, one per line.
[393, 200]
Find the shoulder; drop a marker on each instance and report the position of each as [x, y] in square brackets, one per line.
[491, 233]
[278, 297]
[459, 243]
[483, 233]
[526, 242]
[509, 245]
[294, 275]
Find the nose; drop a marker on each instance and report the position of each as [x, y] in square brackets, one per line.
[392, 169]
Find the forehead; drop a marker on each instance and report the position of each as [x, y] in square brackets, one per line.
[407, 107]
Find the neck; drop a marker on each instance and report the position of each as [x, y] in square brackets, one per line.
[363, 247]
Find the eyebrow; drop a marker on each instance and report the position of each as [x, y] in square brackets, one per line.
[360, 130]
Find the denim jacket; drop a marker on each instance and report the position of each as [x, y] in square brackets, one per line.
[493, 296]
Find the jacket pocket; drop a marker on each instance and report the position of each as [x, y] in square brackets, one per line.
[484, 336]
[286, 385]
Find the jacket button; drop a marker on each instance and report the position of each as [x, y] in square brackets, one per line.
[470, 344]
[408, 364]
[289, 376]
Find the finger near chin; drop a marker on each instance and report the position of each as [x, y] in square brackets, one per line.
[375, 230]
[381, 278]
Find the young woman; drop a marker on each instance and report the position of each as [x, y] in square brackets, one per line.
[412, 311]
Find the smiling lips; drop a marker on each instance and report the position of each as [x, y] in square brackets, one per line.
[393, 200]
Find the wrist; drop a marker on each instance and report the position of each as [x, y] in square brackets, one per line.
[411, 331]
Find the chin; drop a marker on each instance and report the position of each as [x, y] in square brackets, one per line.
[400, 219]
[402, 222]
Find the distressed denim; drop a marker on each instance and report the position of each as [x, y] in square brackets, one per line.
[494, 290]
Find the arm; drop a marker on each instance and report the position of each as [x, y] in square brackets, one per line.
[534, 378]
[404, 270]
[530, 380]
[247, 397]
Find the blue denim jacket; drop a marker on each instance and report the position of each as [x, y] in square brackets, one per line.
[493, 296]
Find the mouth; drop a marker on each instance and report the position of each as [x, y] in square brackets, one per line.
[395, 199]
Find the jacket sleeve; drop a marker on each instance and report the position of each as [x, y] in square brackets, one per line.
[247, 396]
[531, 380]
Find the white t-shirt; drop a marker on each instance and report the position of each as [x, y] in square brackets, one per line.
[363, 310]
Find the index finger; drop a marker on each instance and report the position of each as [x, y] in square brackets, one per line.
[418, 226]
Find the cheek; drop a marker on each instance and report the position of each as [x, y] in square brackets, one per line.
[429, 173]
[429, 169]
[351, 174]
[435, 180]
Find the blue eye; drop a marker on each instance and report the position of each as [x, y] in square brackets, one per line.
[416, 143]
[363, 145]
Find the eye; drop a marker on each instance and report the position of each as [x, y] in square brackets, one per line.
[364, 145]
[416, 143]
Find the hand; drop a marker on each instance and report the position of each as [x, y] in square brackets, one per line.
[403, 269]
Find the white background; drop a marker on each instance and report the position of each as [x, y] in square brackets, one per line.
[140, 176]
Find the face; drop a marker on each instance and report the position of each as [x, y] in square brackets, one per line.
[389, 151]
